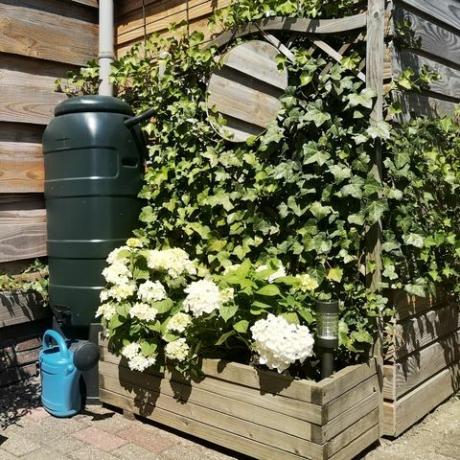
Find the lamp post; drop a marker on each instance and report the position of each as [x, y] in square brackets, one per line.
[327, 334]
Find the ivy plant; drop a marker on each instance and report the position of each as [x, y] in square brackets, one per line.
[301, 193]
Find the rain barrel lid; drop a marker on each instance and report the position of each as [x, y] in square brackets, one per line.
[93, 104]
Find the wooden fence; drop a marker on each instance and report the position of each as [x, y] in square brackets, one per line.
[434, 42]
[40, 41]
[134, 22]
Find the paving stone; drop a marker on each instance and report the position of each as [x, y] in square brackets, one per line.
[100, 439]
[65, 444]
[134, 452]
[194, 453]
[449, 450]
[18, 445]
[37, 414]
[45, 453]
[4, 455]
[146, 439]
[48, 429]
[92, 453]
[114, 424]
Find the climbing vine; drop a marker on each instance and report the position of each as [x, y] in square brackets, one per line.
[300, 196]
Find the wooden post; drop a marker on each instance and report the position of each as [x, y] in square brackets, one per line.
[374, 80]
[375, 51]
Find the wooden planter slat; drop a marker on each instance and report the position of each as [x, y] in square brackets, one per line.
[308, 412]
[349, 399]
[403, 413]
[425, 359]
[416, 333]
[199, 429]
[418, 367]
[17, 308]
[23, 319]
[251, 410]
[219, 402]
[350, 416]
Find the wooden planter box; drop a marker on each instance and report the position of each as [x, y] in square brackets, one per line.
[423, 365]
[257, 413]
[23, 319]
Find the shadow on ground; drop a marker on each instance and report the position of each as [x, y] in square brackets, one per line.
[17, 401]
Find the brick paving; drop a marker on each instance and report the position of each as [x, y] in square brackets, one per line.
[28, 432]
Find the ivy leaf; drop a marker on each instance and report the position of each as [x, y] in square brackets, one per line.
[415, 289]
[340, 172]
[320, 211]
[414, 239]
[357, 219]
[335, 274]
[291, 317]
[305, 78]
[379, 129]
[376, 210]
[364, 99]
[362, 336]
[241, 326]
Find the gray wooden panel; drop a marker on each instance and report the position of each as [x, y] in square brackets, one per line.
[433, 39]
[449, 81]
[300, 25]
[422, 104]
[447, 11]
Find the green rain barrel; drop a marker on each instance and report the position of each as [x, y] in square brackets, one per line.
[93, 174]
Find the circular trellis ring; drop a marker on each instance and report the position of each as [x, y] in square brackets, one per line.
[246, 90]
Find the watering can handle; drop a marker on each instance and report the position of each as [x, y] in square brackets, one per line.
[53, 335]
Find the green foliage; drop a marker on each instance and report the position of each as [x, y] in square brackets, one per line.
[302, 193]
[33, 279]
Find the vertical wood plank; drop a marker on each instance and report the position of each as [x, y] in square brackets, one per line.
[375, 54]
[375, 61]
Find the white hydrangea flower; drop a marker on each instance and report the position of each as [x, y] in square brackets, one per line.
[106, 311]
[143, 312]
[203, 296]
[136, 361]
[122, 291]
[174, 261]
[104, 295]
[179, 322]
[177, 350]
[307, 282]
[151, 291]
[116, 273]
[131, 350]
[279, 273]
[227, 295]
[141, 363]
[115, 254]
[280, 344]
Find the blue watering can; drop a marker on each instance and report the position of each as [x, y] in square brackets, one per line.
[61, 364]
[60, 378]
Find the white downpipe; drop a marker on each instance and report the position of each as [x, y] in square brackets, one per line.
[106, 46]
